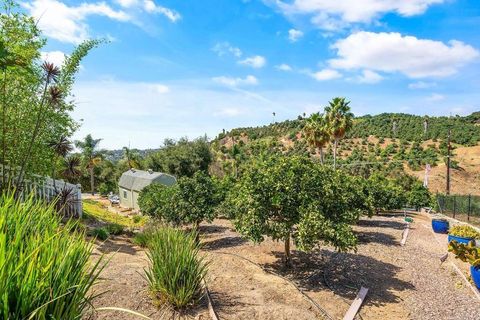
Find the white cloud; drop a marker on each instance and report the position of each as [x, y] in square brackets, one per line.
[294, 35]
[228, 112]
[234, 82]
[435, 97]
[284, 67]
[67, 24]
[223, 48]
[159, 88]
[337, 14]
[151, 7]
[392, 52]
[369, 76]
[55, 57]
[254, 62]
[421, 85]
[326, 74]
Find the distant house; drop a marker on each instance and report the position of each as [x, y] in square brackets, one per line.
[133, 181]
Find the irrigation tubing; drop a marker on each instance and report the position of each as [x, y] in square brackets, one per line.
[322, 310]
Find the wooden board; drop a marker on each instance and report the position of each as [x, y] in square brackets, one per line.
[357, 303]
[405, 234]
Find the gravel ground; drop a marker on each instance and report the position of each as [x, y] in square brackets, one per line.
[406, 282]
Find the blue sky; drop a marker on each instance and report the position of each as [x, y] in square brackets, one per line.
[188, 68]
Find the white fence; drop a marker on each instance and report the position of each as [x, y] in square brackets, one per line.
[44, 188]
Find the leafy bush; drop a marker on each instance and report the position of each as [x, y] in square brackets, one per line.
[45, 270]
[114, 228]
[464, 231]
[176, 269]
[190, 200]
[419, 196]
[100, 233]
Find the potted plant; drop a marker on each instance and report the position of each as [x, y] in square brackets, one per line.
[440, 225]
[468, 253]
[463, 234]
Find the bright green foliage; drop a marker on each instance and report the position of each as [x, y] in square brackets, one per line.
[190, 200]
[419, 196]
[45, 270]
[467, 253]
[35, 98]
[176, 269]
[100, 233]
[284, 197]
[385, 194]
[182, 158]
[464, 231]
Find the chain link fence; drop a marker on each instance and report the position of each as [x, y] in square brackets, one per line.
[461, 207]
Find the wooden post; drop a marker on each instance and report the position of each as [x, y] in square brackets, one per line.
[357, 303]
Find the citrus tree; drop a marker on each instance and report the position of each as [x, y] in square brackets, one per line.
[385, 193]
[293, 197]
[189, 201]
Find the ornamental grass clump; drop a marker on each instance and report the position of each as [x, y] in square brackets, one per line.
[45, 271]
[176, 269]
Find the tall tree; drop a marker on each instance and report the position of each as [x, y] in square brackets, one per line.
[131, 158]
[91, 156]
[340, 121]
[35, 102]
[316, 133]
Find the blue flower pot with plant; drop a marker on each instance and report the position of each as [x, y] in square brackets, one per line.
[463, 234]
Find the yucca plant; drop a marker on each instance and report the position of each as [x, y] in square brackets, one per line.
[45, 269]
[176, 269]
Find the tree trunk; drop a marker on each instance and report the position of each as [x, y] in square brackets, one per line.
[197, 233]
[321, 155]
[288, 258]
[92, 181]
[335, 144]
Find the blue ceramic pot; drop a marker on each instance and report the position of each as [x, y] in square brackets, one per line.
[475, 272]
[440, 226]
[459, 239]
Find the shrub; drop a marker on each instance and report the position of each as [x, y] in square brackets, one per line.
[464, 231]
[467, 253]
[100, 233]
[114, 229]
[45, 270]
[190, 200]
[176, 270]
[137, 218]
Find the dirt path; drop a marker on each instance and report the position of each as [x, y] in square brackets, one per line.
[405, 282]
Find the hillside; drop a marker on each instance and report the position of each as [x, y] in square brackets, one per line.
[384, 142]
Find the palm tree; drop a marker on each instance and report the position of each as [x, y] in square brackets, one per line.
[316, 133]
[61, 148]
[339, 120]
[90, 156]
[131, 158]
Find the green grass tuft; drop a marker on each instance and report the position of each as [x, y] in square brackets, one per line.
[45, 269]
[176, 269]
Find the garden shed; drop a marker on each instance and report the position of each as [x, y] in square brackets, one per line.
[133, 181]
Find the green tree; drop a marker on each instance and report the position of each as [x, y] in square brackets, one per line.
[181, 158]
[35, 96]
[339, 120]
[61, 148]
[190, 201]
[91, 157]
[316, 133]
[293, 197]
[131, 158]
[385, 193]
